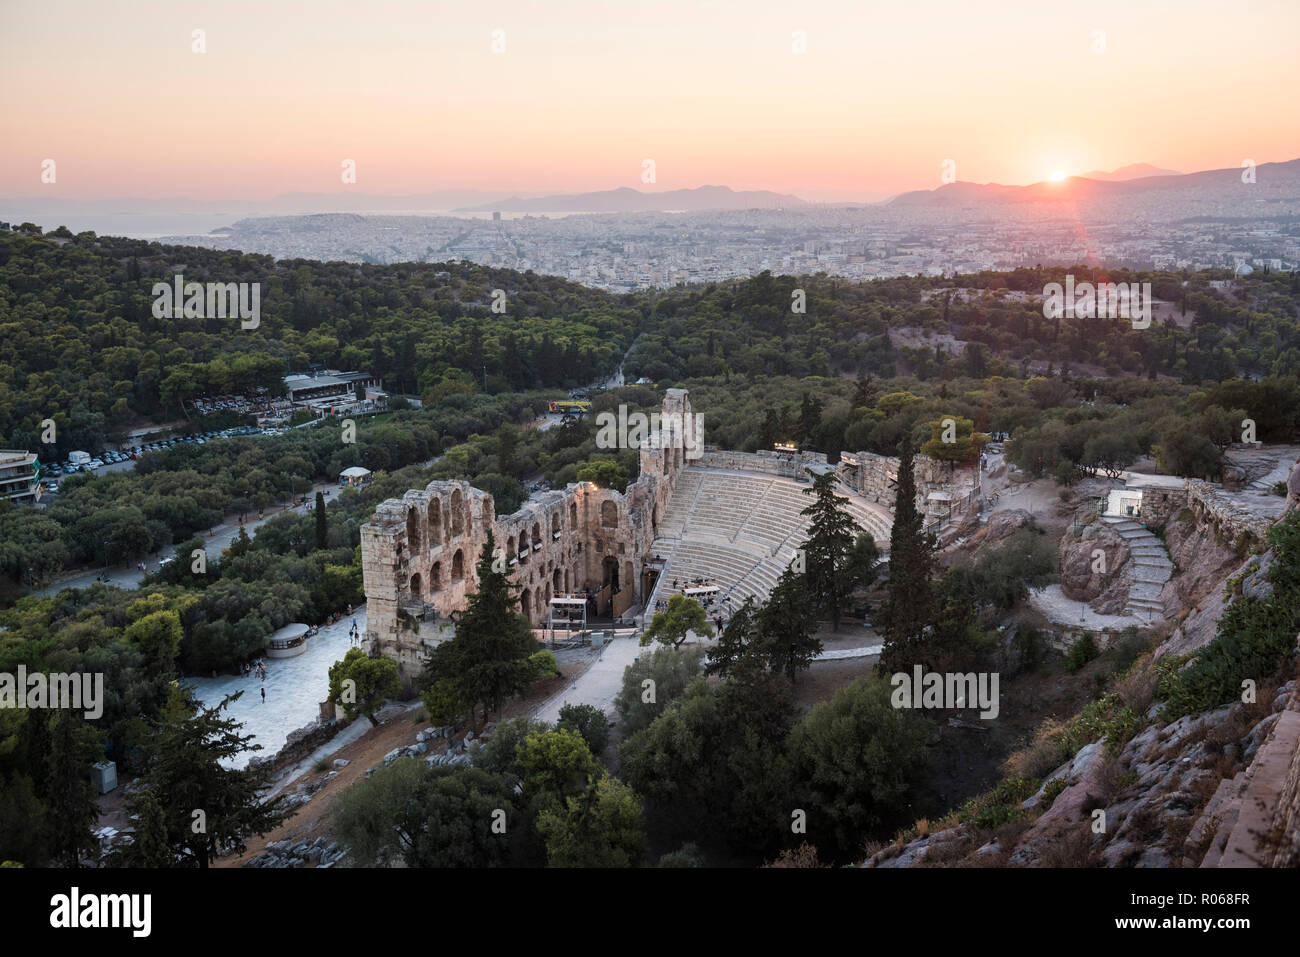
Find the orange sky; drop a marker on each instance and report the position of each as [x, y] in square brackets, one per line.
[712, 91]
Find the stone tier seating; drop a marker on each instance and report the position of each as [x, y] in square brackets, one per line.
[740, 531]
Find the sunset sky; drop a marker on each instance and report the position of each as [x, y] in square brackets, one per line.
[586, 90]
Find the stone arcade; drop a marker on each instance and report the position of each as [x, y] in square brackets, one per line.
[419, 553]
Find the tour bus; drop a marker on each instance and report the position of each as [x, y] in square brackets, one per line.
[570, 405]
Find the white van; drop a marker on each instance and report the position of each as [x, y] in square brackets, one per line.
[79, 458]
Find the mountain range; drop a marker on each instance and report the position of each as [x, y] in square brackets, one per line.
[1215, 183]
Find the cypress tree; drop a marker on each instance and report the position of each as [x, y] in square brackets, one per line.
[322, 523]
[910, 604]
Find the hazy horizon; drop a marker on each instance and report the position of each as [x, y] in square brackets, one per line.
[583, 93]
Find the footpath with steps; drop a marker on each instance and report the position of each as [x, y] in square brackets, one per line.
[1151, 567]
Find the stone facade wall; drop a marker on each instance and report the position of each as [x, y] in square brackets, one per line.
[875, 477]
[1212, 507]
[1159, 505]
[787, 464]
[419, 553]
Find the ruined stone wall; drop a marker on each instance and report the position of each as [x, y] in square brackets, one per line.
[787, 464]
[875, 477]
[1237, 525]
[1160, 505]
[419, 553]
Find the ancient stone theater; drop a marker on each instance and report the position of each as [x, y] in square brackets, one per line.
[732, 519]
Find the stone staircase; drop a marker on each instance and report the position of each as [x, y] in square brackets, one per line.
[1151, 567]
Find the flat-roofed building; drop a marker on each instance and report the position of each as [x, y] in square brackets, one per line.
[327, 384]
[18, 475]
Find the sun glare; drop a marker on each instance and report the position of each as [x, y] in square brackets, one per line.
[1057, 176]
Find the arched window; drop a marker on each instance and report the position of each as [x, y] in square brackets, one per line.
[573, 515]
[555, 526]
[435, 521]
[458, 565]
[413, 529]
[537, 534]
[524, 606]
[415, 585]
[608, 514]
[435, 576]
[555, 581]
[457, 513]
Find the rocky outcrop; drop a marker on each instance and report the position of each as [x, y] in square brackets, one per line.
[318, 853]
[1002, 525]
[1221, 788]
[1103, 583]
[1198, 628]
[1203, 561]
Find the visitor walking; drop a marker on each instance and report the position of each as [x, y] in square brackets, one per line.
[263, 696]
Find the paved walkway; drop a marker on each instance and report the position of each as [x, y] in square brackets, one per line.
[1053, 604]
[600, 684]
[295, 687]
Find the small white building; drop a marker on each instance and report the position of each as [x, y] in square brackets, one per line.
[354, 477]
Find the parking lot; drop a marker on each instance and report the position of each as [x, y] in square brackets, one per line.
[116, 460]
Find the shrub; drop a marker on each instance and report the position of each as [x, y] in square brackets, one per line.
[1109, 719]
[1081, 652]
[542, 664]
[589, 721]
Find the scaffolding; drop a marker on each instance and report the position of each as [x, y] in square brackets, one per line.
[568, 608]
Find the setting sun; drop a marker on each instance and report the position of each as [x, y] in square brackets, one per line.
[1057, 176]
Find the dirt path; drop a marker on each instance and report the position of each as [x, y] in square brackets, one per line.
[311, 820]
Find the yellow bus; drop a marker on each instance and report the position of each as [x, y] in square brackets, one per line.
[570, 405]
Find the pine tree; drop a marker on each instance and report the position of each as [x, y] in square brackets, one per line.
[192, 807]
[487, 661]
[70, 799]
[322, 523]
[910, 604]
[829, 550]
[786, 626]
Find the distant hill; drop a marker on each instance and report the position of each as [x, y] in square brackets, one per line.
[1132, 171]
[1210, 185]
[628, 200]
